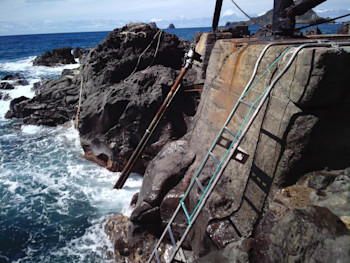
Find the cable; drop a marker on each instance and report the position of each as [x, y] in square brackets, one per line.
[326, 21]
[249, 16]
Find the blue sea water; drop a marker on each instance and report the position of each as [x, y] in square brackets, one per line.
[53, 203]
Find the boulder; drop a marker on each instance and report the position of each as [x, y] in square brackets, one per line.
[16, 108]
[118, 229]
[166, 174]
[52, 104]
[10, 81]
[56, 57]
[311, 234]
[6, 86]
[16, 80]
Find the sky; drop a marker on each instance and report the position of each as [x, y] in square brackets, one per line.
[54, 16]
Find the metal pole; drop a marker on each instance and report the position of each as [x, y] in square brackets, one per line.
[192, 55]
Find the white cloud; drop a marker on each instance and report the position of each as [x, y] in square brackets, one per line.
[156, 20]
[229, 12]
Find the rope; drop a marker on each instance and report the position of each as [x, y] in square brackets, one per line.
[157, 48]
[76, 123]
[245, 120]
[249, 16]
[143, 52]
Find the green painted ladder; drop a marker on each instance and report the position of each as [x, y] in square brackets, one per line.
[233, 151]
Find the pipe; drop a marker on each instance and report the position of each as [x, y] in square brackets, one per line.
[191, 56]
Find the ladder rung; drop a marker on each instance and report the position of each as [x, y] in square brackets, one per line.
[186, 213]
[172, 237]
[248, 104]
[200, 185]
[157, 256]
[214, 158]
[231, 132]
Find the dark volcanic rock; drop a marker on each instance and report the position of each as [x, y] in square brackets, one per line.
[6, 86]
[153, 24]
[116, 57]
[16, 79]
[16, 107]
[126, 78]
[123, 82]
[161, 176]
[118, 229]
[51, 106]
[10, 81]
[79, 52]
[55, 57]
[311, 234]
[171, 26]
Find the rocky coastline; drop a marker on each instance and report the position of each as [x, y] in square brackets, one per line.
[288, 203]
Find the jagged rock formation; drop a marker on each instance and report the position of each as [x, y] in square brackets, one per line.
[123, 82]
[301, 129]
[55, 104]
[10, 81]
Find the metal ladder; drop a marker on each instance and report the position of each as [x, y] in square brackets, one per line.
[233, 151]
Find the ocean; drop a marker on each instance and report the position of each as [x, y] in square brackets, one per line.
[54, 203]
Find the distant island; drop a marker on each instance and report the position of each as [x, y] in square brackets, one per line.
[307, 18]
[171, 26]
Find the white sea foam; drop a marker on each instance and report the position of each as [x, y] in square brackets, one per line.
[45, 181]
[25, 68]
[33, 74]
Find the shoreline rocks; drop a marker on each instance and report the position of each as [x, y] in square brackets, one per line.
[10, 81]
[123, 82]
[56, 57]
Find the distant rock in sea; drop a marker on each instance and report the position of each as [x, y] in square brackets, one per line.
[171, 26]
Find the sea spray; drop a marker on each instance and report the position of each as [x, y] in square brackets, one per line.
[52, 199]
[53, 203]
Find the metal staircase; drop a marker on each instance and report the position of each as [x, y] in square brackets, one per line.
[229, 140]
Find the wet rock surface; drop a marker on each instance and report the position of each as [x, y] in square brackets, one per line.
[10, 81]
